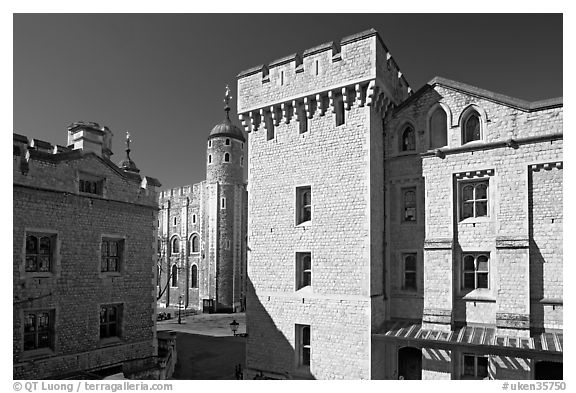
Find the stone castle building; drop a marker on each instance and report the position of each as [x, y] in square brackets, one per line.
[202, 230]
[395, 234]
[84, 251]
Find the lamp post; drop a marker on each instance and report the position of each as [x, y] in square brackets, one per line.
[234, 327]
[180, 309]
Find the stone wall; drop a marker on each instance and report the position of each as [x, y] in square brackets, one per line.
[45, 200]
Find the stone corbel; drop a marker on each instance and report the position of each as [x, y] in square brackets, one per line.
[263, 118]
[308, 107]
[244, 120]
[371, 93]
[345, 98]
[331, 102]
[276, 117]
[320, 107]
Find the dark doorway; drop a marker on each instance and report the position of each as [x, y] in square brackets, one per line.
[409, 363]
[548, 370]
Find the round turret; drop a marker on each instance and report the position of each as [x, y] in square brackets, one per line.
[225, 151]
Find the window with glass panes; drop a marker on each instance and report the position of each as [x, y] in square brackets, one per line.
[409, 282]
[409, 196]
[475, 367]
[303, 344]
[38, 332]
[111, 255]
[475, 271]
[109, 321]
[473, 199]
[472, 128]
[303, 204]
[39, 252]
[303, 269]
[408, 140]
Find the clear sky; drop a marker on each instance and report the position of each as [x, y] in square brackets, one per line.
[162, 76]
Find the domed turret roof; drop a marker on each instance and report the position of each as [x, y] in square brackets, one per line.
[127, 164]
[226, 127]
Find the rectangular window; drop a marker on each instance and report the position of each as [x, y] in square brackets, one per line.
[91, 184]
[193, 218]
[40, 252]
[475, 367]
[409, 279]
[303, 270]
[110, 316]
[473, 199]
[111, 251]
[223, 203]
[303, 204]
[409, 204]
[303, 345]
[475, 271]
[38, 329]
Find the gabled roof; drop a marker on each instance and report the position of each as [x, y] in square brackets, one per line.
[71, 155]
[502, 99]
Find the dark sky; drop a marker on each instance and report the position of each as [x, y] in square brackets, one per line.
[162, 76]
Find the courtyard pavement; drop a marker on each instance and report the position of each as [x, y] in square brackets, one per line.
[205, 346]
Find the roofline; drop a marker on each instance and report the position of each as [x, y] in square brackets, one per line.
[78, 154]
[227, 134]
[517, 103]
[513, 102]
[317, 49]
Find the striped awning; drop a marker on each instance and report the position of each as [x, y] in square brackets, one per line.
[472, 336]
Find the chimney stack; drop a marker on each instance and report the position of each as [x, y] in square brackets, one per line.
[90, 136]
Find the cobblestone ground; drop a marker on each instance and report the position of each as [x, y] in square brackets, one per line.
[206, 347]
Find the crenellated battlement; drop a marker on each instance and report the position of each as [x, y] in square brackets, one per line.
[369, 93]
[310, 79]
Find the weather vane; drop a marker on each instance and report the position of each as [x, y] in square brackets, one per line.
[227, 98]
[127, 140]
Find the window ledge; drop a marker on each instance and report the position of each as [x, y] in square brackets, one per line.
[405, 153]
[304, 224]
[407, 293]
[39, 275]
[479, 295]
[303, 372]
[475, 220]
[476, 142]
[307, 290]
[36, 354]
[109, 341]
[110, 274]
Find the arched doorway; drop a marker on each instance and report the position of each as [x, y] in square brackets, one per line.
[409, 363]
[548, 370]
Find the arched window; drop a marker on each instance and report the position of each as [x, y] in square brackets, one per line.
[408, 141]
[174, 282]
[438, 129]
[227, 157]
[195, 244]
[227, 141]
[194, 277]
[175, 245]
[471, 126]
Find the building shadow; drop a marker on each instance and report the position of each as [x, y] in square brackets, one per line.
[269, 353]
